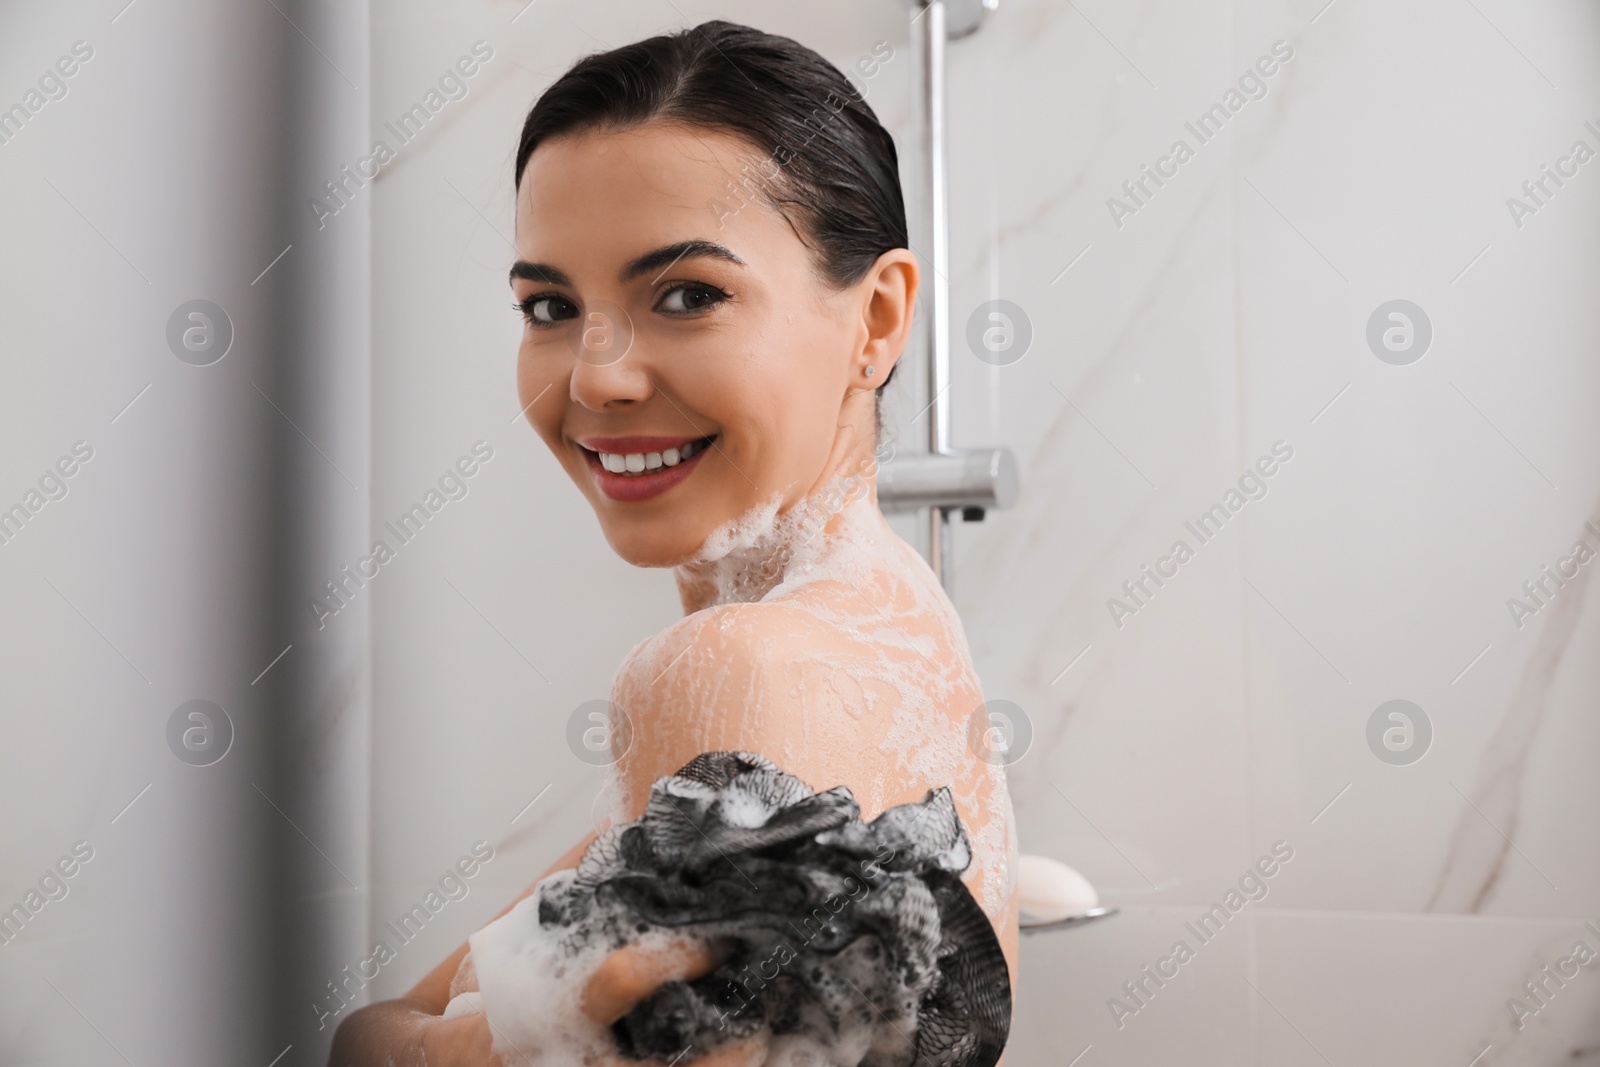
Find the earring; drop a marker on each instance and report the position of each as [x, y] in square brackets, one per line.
[870, 370]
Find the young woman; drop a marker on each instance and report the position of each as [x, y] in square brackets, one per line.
[714, 279]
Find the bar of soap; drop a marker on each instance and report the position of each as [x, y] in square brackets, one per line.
[1049, 891]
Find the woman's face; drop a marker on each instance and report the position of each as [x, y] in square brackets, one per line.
[680, 354]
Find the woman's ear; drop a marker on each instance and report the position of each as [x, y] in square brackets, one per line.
[889, 302]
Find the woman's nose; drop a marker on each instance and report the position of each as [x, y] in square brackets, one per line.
[608, 369]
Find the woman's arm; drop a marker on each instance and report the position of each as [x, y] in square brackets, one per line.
[730, 677]
[408, 1030]
[831, 702]
[771, 678]
[676, 719]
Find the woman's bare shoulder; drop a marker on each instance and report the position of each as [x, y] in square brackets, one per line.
[728, 633]
[752, 677]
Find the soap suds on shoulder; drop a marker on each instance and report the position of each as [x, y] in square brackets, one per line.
[899, 662]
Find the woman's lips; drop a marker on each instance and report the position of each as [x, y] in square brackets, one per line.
[631, 486]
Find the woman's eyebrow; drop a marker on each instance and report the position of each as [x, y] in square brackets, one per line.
[663, 258]
[539, 272]
[660, 258]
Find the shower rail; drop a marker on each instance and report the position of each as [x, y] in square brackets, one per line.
[943, 480]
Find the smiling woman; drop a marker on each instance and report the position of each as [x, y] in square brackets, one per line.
[709, 381]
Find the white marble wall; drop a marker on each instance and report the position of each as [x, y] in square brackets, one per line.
[1227, 313]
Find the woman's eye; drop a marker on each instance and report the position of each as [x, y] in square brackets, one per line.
[547, 310]
[687, 299]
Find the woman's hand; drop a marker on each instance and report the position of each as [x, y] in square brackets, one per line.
[624, 978]
[411, 1031]
[408, 1033]
[634, 972]
[462, 1042]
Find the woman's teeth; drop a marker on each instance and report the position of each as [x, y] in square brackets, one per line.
[640, 462]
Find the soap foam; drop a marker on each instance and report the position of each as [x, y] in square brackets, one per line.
[877, 952]
[531, 980]
[906, 665]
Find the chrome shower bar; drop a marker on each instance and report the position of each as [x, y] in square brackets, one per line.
[944, 479]
[964, 479]
[938, 318]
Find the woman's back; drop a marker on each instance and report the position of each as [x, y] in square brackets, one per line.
[830, 648]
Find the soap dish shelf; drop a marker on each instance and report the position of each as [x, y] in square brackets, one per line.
[1072, 921]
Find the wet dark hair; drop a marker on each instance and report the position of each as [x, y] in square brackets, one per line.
[827, 165]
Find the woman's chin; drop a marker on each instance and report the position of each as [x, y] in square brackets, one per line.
[645, 546]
